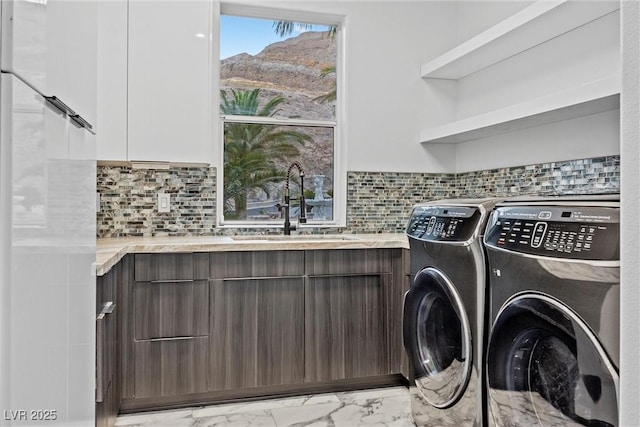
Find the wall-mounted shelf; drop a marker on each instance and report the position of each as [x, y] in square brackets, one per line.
[591, 98]
[536, 24]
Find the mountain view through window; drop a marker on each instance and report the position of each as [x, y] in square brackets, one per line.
[278, 106]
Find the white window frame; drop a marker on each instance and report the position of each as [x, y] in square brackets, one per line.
[339, 169]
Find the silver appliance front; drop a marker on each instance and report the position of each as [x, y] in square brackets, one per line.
[546, 367]
[444, 312]
[554, 287]
[440, 343]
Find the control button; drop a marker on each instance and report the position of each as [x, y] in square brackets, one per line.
[538, 233]
[587, 246]
[432, 222]
[589, 238]
[544, 215]
[583, 229]
[512, 240]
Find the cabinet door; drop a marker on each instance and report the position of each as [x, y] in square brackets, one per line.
[107, 366]
[257, 332]
[345, 327]
[171, 367]
[52, 44]
[171, 309]
[168, 80]
[112, 80]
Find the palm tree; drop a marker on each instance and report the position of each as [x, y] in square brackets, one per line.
[251, 150]
[285, 28]
[333, 93]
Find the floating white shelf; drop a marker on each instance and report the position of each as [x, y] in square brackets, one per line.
[591, 98]
[536, 24]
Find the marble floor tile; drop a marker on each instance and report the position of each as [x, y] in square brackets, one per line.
[378, 393]
[244, 419]
[384, 407]
[266, 404]
[316, 415]
[177, 418]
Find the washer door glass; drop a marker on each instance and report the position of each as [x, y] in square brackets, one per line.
[440, 340]
[545, 367]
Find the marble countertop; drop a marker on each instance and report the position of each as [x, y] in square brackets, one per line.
[112, 250]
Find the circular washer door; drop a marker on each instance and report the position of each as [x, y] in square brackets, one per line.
[437, 338]
[546, 367]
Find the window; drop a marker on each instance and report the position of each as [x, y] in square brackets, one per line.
[278, 107]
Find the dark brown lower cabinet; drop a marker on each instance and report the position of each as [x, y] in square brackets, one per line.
[345, 327]
[257, 332]
[234, 325]
[108, 319]
[171, 367]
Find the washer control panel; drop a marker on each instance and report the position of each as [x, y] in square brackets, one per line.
[443, 223]
[591, 233]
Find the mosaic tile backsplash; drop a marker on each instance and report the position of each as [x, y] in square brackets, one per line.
[377, 202]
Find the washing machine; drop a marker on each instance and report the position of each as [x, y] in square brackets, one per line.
[554, 304]
[444, 311]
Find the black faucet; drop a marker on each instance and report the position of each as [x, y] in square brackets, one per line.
[302, 219]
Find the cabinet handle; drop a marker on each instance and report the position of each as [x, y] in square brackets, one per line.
[100, 358]
[172, 281]
[107, 308]
[172, 339]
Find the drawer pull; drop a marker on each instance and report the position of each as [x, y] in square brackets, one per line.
[173, 281]
[172, 339]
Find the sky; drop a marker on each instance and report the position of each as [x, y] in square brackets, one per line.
[250, 35]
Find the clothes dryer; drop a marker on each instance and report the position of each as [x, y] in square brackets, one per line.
[554, 286]
[444, 311]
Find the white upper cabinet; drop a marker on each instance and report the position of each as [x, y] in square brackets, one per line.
[549, 62]
[24, 41]
[72, 46]
[112, 80]
[169, 56]
[53, 46]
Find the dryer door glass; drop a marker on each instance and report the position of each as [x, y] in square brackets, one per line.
[545, 367]
[439, 342]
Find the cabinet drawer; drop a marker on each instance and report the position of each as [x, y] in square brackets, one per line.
[349, 261]
[170, 367]
[167, 267]
[228, 265]
[171, 309]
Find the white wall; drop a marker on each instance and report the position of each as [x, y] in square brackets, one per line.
[585, 137]
[630, 291]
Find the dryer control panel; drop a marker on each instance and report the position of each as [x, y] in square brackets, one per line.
[591, 233]
[443, 223]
